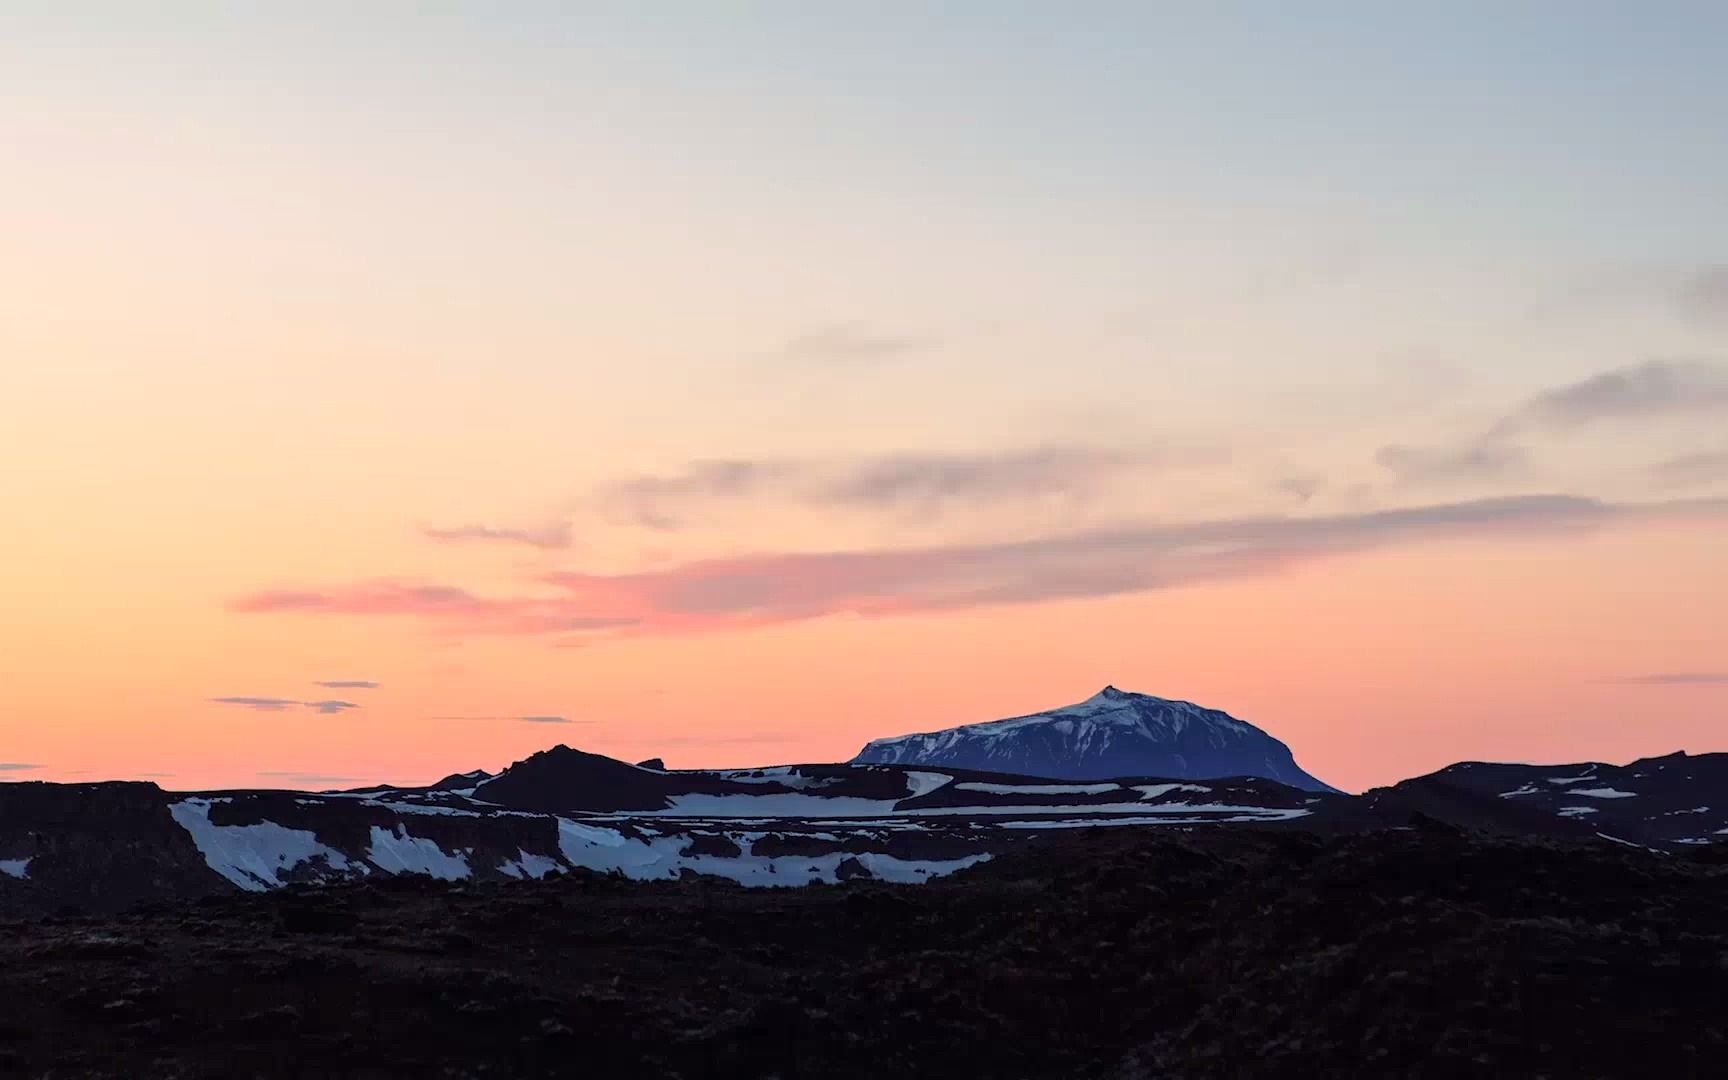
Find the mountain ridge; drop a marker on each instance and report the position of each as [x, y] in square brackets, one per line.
[104, 846]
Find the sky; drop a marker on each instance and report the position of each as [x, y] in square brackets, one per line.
[391, 390]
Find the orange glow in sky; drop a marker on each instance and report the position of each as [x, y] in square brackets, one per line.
[738, 401]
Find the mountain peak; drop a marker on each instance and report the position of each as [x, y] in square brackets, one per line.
[1114, 733]
[563, 778]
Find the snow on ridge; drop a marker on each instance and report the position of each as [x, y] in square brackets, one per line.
[528, 865]
[768, 807]
[784, 775]
[1603, 793]
[919, 783]
[1251, 814]
[1630, 844]
[423, 808]
[254, 857]
[1125, 809]
[771, 805]
[397, 851]
[1152, 791]
[1109, 708]
[18, 868]
[1040, 789]
[664, 857]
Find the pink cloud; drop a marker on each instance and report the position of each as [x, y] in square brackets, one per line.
[755, 590]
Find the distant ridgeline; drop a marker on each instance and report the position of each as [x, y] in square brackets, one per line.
[910, 809]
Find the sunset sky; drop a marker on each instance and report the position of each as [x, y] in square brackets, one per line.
[384, 395]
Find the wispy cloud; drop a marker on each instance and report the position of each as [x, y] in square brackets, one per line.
[1655, 389]
[1678, 678]
[756, 590]
[1704, 295]
[747, 738]
[662, 502]
[262, 704]
[17, 766]
[931, 480]
[1300, 486]
[852, 343]
[539, 719]
[1692, 468]
[914, 482]
[309, 778]
[550, 536]
[1425, 464]
[274, 704]
[346, 684]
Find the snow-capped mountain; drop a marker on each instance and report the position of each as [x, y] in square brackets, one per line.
[1112, 733]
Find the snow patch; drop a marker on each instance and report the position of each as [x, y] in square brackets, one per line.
[1042, 789]
[1603, 793]
[396, 851]
[789, 804]
[1257, 813]
[528, 865]
[423, 808]
[1152, 791]
[253, 857]
[1576, 811]
[1099, 823]
[18, 868]
[1630, 844]
[919, 784]
[610, 851]
[784, 775]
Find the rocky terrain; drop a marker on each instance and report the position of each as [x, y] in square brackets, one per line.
[1105, 953]
[1670, 803]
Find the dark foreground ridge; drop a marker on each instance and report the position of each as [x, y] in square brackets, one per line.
[1120, 953]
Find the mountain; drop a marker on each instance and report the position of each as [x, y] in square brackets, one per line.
[94, 847]
[462, 781]
[1674, 802]
[102, 847]
[566, 779]
[1112, 733]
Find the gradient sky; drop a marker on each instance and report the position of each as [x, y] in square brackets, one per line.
[739, 382]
